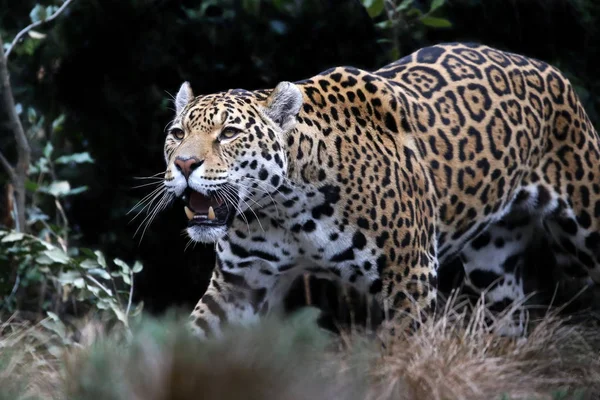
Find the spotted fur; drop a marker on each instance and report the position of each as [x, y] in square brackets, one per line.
[375, 178]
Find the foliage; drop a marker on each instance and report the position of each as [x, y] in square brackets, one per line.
[45, 185]
[405, 17]
[45, 273]
[85, 279]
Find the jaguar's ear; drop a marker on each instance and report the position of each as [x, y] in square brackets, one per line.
[184, 96]
[283, 105]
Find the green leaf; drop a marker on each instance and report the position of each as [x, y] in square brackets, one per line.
[38, 13]
[102, 305]
[12, 237]
[435, 4]
[48, 150]
[79, 283]
[120, 314]
[57, 256]
[31, 186]
[137, 267]
[435, 22]
[44, 260]
[51, 10]
[61, 189]
[67, 278]
[77, 158]
[53, 316]
[124, 267]
[32, 116]
[374, 7]
[87, 252]
[54, 324]
[34, 215]
[88, 264]
[76, 190]
[414, 12]
[57, 124]
[40, 166]
[42, 120]
[404, 5]
[57, 188]
[100, 273]
[385, 25]
[36, 35]
[95, 290]
[100, 258]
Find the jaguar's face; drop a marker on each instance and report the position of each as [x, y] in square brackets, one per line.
[225, 153]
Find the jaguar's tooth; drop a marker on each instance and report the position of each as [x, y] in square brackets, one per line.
[189, 213]
[211, 213]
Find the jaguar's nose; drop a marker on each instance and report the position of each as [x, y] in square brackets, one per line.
[187, 165]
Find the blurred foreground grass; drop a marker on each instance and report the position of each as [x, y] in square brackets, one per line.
[454, 356]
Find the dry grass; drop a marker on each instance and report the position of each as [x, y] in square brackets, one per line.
[454, 356]
[28, 368]
[458, 356]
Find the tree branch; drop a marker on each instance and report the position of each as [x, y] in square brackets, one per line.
[19, 172]
[7, 167]
[35, 25]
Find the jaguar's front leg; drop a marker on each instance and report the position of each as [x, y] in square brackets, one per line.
[409, 281]
[409, 299]
[229, 299]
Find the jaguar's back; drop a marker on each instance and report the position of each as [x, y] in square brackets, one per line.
[505, 136]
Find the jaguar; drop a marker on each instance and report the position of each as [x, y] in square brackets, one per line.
[376, 178]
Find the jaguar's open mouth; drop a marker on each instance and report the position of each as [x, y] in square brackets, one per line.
[206, 210]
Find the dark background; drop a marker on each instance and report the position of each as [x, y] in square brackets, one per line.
[109, 66]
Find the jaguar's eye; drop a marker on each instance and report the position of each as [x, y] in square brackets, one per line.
[229, 133]
[177, 133]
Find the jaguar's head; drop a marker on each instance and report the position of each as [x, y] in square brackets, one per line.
[225, 153]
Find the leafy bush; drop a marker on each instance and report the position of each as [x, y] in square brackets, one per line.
[85, 280]
[399, 19]
[45, 273]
